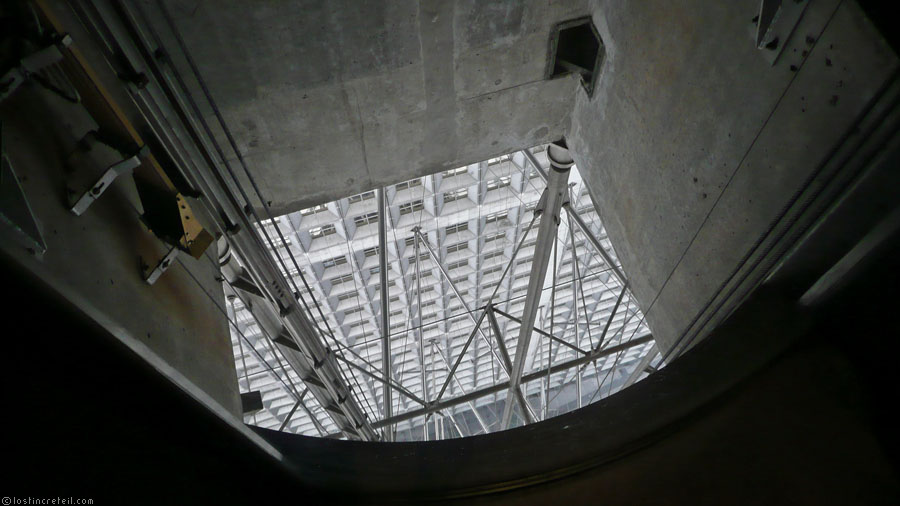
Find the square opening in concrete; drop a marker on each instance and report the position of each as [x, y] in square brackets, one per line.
[576, 47]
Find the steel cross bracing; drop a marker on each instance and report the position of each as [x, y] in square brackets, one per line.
[469, 221]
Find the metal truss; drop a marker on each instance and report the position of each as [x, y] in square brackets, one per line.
[456, 251]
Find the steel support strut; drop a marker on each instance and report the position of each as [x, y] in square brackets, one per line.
[419, 331]
[577, 220]
[387, 407]
[550, 207]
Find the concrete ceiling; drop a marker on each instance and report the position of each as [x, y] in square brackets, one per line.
[328, 99]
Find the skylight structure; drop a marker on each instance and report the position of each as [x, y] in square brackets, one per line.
[451, 240]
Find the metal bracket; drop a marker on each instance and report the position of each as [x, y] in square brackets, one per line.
[32, 64]
[115, 170]
[161, 267]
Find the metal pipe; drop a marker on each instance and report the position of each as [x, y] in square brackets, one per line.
[575, 273]
[550, 205]
[419, 330]
[387, 405]
[552, 329]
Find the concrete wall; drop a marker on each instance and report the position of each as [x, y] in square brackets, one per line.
[98, 256]
[693, 143]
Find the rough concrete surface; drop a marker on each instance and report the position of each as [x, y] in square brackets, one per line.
[693, 142]
[328, 99]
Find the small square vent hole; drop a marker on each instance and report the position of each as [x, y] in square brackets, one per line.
[576, 47]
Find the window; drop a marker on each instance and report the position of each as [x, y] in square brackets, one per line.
[313, 210]
[457, 265]
[456, 195]
[341, 279]
[495, 217]
[496, 268]
[352, 310]
[366, 219]
[333, 262]
[459, 227]
[411, 207]
[455, 172]
[371, 252]
[375, 270]
[500, 182]
[408, 184]
[494, 237]
[453, 248]
[362, 196]
[348, 295]
[493, 254]
[322, 231]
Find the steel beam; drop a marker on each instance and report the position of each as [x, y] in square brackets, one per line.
[419, 330]
[387, 406]
[550, 208]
